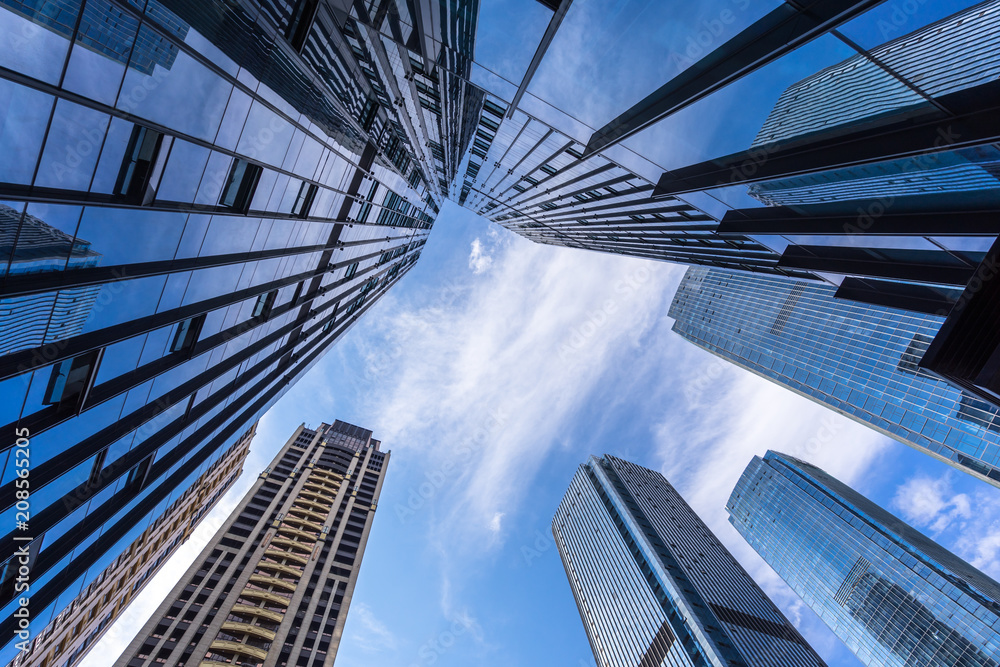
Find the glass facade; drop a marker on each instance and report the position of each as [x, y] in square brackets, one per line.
[274, 585]
[191, 212]
[858, 359]
[895, 597]
[652, 583]
[197, 198]
[80, 626]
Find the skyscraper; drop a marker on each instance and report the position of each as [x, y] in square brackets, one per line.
[858, 359]
[252, 177]
[75, 630]
[654, 585]
[895, 597]
[274, 585]
[192, 213]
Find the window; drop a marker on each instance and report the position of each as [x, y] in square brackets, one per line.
[138, 167]
[71, 380]
[187, 333]
[299, 23]
[351, 270]
[304, 200]
[264, 304]
[298, 292]
[240, 185]
[136, 479]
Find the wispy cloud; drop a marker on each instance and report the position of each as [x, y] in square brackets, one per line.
[479, 259]
[930, 503]
[966, 523]
[503, 368]
[369, 633]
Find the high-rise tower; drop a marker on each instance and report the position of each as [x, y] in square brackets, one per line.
[655, 586]
[75, 630]
[859, 359]
[274, 585]
[895, 597]
[195, 206]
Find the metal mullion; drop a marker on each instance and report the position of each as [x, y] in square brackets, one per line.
[59, 280]
[76, 98]
[110, 433]
[30, 284]
[563, 195]
[568, 209]
[27, 360]
[510, 170]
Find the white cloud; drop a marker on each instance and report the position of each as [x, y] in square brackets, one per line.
[495, 523]
[930, 503]
[934, 505]
[504, 364]
[372, 636]
[479, 260]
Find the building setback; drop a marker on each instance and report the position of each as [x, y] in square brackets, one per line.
[895, 597]
[654, 586]
[274, 585]
[858, 359]
[71, 634]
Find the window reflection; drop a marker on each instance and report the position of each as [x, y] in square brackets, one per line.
[161, 90]
[25, 114]
[41, 35]
[71, 147]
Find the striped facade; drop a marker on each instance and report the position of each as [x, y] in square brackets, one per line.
[895, 597]
[652, 583]
[273, 586]
[858, 359]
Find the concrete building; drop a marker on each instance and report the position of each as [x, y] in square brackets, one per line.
[274, 586]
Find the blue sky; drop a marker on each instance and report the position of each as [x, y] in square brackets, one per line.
[491, 372]
[497, 366]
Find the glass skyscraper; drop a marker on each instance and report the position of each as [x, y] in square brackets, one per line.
[197, 198]
[858, 359]
[652, 583]
[191, 212]
[80, 626]
[895, 597]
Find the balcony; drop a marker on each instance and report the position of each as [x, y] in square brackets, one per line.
[290, 530]
[292, 519]
[264, 580]
[319, 508]
[238, 648]
[253, 593]
[304, 511]
[249, 629]
[278, 567]
[292, 544]
[258, 612]
[278, 553]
